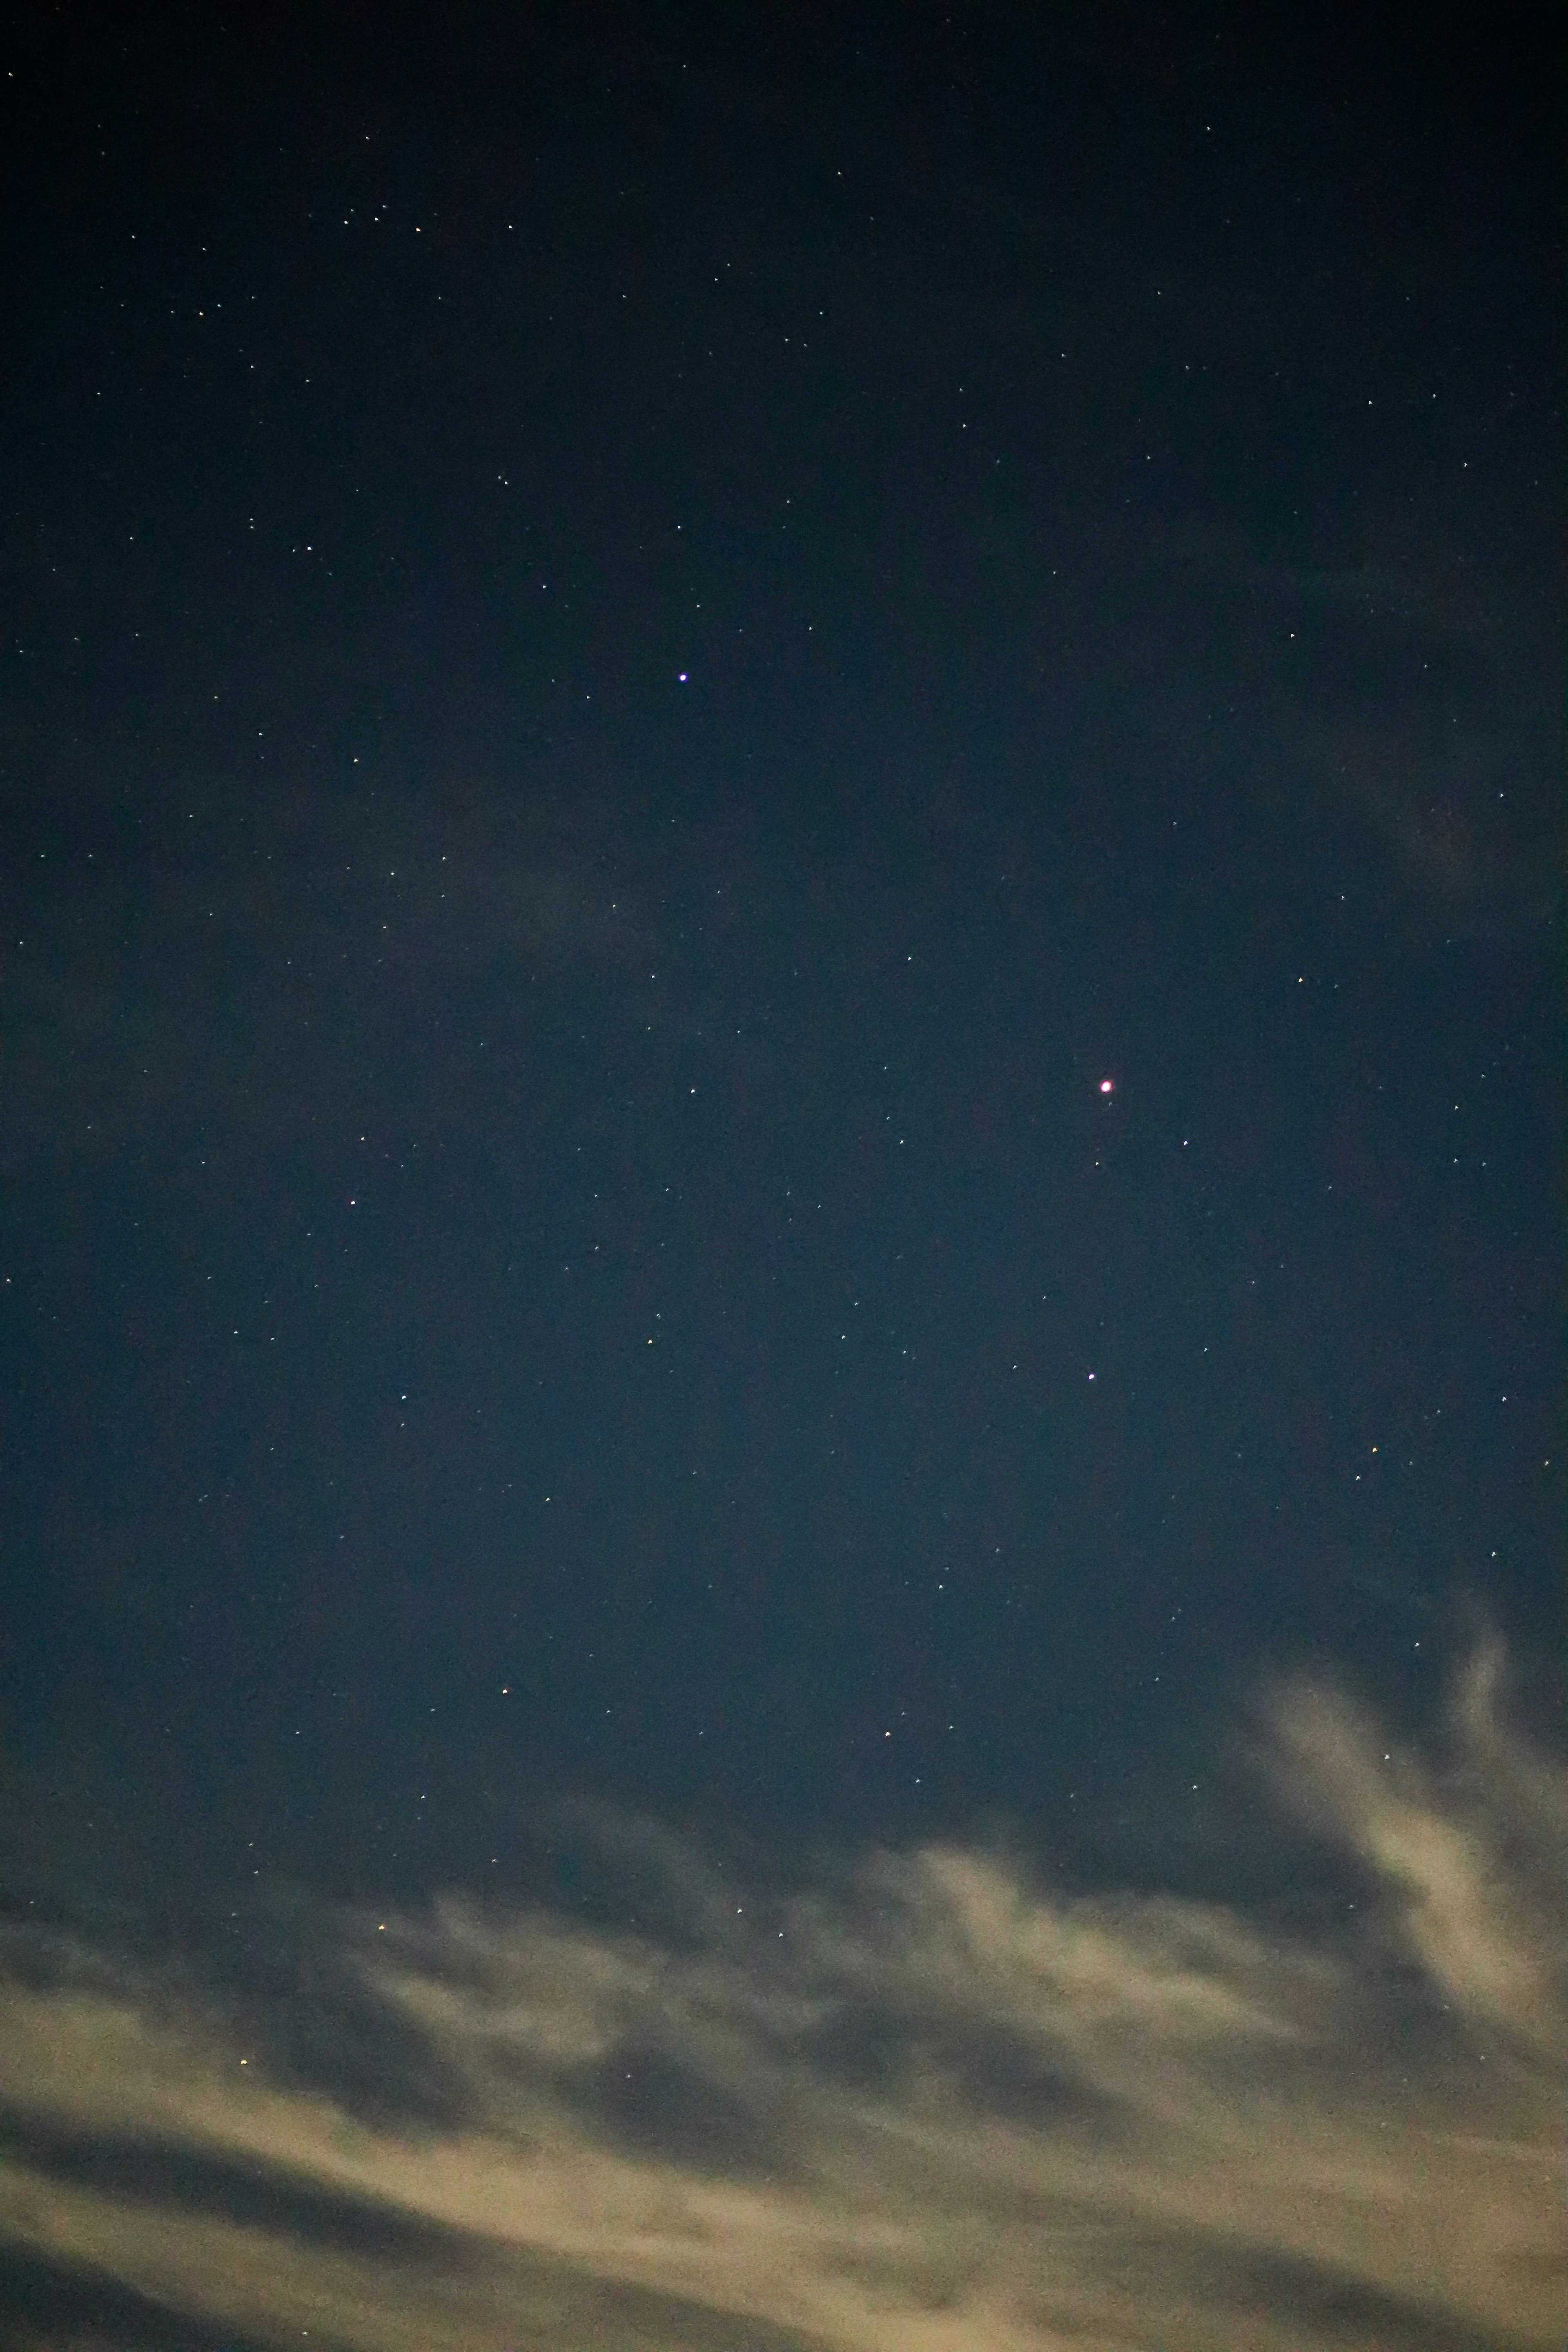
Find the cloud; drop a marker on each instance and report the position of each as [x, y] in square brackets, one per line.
[267, 979]
[1399, 696]
[921, 2103]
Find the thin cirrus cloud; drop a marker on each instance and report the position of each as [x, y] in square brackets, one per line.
[295, 968]
[924, 2107]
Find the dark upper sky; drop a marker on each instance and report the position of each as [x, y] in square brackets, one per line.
[640, 650]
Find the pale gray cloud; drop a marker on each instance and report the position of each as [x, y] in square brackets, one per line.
[319, 963]
[1410, 692]
[923, 2104]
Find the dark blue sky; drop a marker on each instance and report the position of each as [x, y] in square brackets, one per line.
[781, 1120]
[635, 655]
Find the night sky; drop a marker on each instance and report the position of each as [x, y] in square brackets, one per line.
[780, 1116]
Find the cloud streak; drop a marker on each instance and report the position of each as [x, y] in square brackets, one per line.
[921, 2105]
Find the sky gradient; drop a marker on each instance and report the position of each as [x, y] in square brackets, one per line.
[781, 913]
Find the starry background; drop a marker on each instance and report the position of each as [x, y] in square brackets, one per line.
[638, 648]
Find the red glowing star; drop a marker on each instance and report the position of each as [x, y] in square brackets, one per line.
[1108, 1085]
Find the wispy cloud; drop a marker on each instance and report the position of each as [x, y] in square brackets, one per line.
[1403, 691]
[308, 966]
[924, 2105]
